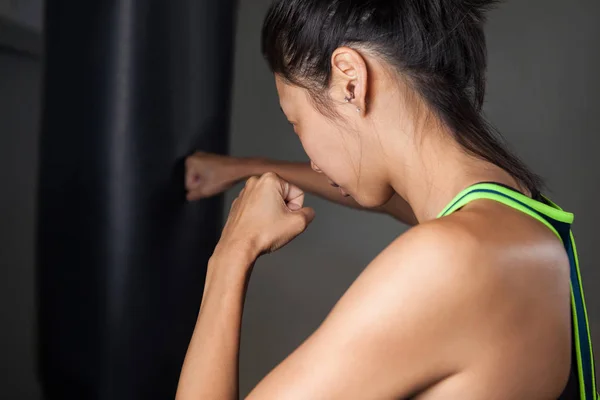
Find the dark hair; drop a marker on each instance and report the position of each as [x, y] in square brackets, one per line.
[439, 45]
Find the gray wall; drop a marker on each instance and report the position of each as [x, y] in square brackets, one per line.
[19, 117]
[20, 90]
[543, 86]
[28, 13]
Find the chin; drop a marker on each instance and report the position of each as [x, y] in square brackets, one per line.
[372, 201]
[369, 201]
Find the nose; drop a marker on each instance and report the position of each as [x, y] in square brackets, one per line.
[315, 168]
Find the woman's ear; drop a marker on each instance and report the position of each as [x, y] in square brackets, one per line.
[349, 78]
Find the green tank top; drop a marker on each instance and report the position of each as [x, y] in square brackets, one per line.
[582, 381]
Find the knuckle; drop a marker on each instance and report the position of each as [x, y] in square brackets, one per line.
[270, 176]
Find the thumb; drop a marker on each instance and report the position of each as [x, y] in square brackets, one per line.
[307, 214]
[294, 224]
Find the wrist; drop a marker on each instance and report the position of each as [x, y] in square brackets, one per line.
[239, 254]
[227, 278]
[255, 166]
[229, 269]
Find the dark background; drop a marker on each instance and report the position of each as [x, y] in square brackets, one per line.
[542, 95]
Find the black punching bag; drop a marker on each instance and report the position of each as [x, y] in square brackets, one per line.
[131, 88]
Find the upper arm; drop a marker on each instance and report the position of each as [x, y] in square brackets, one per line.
[398, 329]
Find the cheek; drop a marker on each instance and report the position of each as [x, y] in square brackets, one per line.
[323, 145]
[313, 147]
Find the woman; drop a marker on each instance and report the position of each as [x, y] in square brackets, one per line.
[473, 302]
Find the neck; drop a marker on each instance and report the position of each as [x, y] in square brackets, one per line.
[436, 170]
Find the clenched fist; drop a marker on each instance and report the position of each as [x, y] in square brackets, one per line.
[268, 213]
[208, 174]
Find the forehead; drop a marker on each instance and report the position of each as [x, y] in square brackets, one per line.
[282, 89]
[287, 93]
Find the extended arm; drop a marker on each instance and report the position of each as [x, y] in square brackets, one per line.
[209, 174]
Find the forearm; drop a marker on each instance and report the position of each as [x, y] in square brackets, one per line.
[210, 370]
[303, 176]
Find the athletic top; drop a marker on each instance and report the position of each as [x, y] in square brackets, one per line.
[582, 380]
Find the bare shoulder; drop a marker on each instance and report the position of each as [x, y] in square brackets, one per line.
[442, 252]
[434, 275]
[489, 246]
[491, 296]
[436, 315]
[484, 263]
[402, 326]
[434, 266]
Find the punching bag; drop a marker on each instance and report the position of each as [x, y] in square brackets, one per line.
[131, 88]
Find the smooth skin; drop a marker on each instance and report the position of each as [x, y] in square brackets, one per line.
[471, 306]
